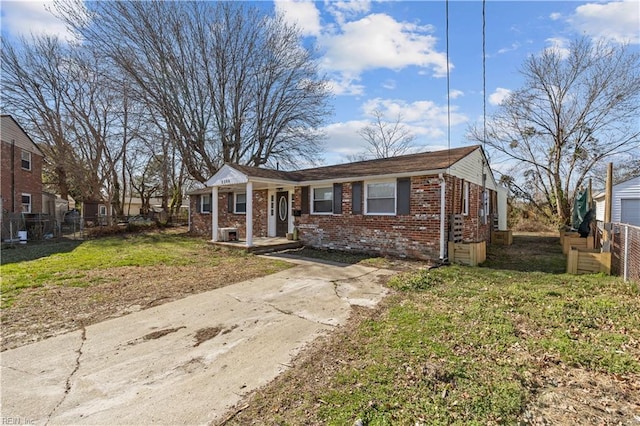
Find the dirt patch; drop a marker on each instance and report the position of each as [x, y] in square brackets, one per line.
[40, 313]
[161, 333]
[205, 334]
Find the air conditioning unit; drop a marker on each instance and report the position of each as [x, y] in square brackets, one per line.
[228, 234]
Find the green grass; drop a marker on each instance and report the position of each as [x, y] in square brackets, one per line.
[67, 263]
[462, 345]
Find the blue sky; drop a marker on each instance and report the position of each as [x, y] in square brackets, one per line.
[391, 55]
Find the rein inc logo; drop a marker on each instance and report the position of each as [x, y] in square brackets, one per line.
[16, 421]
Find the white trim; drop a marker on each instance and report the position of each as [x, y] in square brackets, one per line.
[235, 202]
[214, 213]
[312, 199]
[271, 212]
[387, 176]
[465, 198]
[291, 199]
[395, 197]
[249, 215]
[24, 151]
[30, 204]
[202, 211]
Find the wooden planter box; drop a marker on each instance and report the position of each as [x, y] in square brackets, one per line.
[588, 261]
[577, 242]
[564, 234]
[468, 253]
[503, 238]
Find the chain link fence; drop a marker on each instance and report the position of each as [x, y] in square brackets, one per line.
[625, 251]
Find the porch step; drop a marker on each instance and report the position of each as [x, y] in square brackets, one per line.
[273, 248]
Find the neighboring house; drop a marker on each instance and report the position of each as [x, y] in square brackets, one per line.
[625, 202]
[133, 206]
[20, 174]
[398, 206]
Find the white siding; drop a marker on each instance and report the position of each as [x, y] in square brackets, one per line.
[628, 190]
[12, 132]
[470, 168]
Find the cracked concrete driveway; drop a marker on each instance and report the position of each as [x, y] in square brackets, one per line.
[185, 362]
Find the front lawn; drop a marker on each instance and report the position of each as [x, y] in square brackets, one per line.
[58, 286]
[501, 344]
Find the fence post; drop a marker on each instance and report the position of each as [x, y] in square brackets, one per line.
[626, 252]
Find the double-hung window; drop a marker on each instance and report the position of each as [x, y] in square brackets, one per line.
[240, 203]
[26, 203]
[322, 200]
[205, 203]
[26, 160]
[381, 198]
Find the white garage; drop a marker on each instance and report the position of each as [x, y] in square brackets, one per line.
[625, 206]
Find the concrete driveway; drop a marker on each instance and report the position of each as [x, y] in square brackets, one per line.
[185, 362]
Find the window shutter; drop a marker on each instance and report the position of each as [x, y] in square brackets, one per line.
[230, 202]
[356, 198]
[305, 200]
[404, 196]
[337, 198]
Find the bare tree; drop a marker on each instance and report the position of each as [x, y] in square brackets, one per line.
[229, 83]
[574, 111]
[34, 84]
[386, 139]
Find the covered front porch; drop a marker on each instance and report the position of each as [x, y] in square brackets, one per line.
[256, 203]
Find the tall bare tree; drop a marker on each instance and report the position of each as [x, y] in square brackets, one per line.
[34, 84]
[574, 111]
[229, 83]
[386, 138]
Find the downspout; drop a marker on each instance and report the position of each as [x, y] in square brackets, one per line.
[13, 176]
[443, 254]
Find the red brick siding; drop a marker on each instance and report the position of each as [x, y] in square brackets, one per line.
[26, 181]
[416, 235]
[201, 222]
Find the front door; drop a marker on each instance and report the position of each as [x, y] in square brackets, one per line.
[282, 214]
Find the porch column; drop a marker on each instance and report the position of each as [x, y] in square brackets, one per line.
[214, 213]
[249, 215]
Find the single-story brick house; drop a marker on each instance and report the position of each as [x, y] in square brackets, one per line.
[399, 206]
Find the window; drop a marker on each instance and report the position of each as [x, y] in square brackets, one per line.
[323, 200]
[381, 198]
[465, 199]
[205, 203]
[26, 203]
[241, 203]
[26, 160]
[102, 210]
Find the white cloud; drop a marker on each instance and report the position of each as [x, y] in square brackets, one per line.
[303, 14]
[455, 94]
[32, 17]
[555, 16]
[500, 94]
[343, 10]
[618, 20]
[379, 41]
[559, 45]
[389, 84]
[514, 46]
[346, 85]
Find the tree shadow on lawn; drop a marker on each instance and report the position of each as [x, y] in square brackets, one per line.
[528, 253]
[15, 253]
